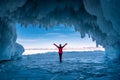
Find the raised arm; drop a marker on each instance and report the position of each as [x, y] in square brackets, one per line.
[55, 45]
[64, 45]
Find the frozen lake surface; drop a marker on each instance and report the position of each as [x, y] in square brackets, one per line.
[75, 66]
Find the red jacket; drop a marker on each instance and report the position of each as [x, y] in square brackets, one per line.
[60, 49]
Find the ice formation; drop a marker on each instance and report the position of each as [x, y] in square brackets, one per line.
[99, 19]
[9, 49]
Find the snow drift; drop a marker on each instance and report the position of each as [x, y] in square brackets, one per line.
[99, 19]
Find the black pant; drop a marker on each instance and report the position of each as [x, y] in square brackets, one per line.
[60, 57]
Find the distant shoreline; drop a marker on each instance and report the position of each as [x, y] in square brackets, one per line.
[46, 50]
[82, 48]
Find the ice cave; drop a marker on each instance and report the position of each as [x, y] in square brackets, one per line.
[99, 19]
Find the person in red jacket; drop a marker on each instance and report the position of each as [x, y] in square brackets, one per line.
[60, 50]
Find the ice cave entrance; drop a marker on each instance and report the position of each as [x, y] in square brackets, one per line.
[39, 40]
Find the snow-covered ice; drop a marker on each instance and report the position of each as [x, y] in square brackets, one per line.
[75, 66]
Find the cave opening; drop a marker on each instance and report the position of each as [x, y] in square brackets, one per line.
[95, 18]
[40, 40]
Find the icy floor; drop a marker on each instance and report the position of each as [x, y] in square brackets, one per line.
[75, 66]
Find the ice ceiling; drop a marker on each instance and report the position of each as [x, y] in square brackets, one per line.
[100, 19]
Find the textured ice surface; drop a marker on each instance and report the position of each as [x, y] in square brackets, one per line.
[75, 66]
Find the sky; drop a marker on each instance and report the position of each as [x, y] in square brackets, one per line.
[35, 37]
